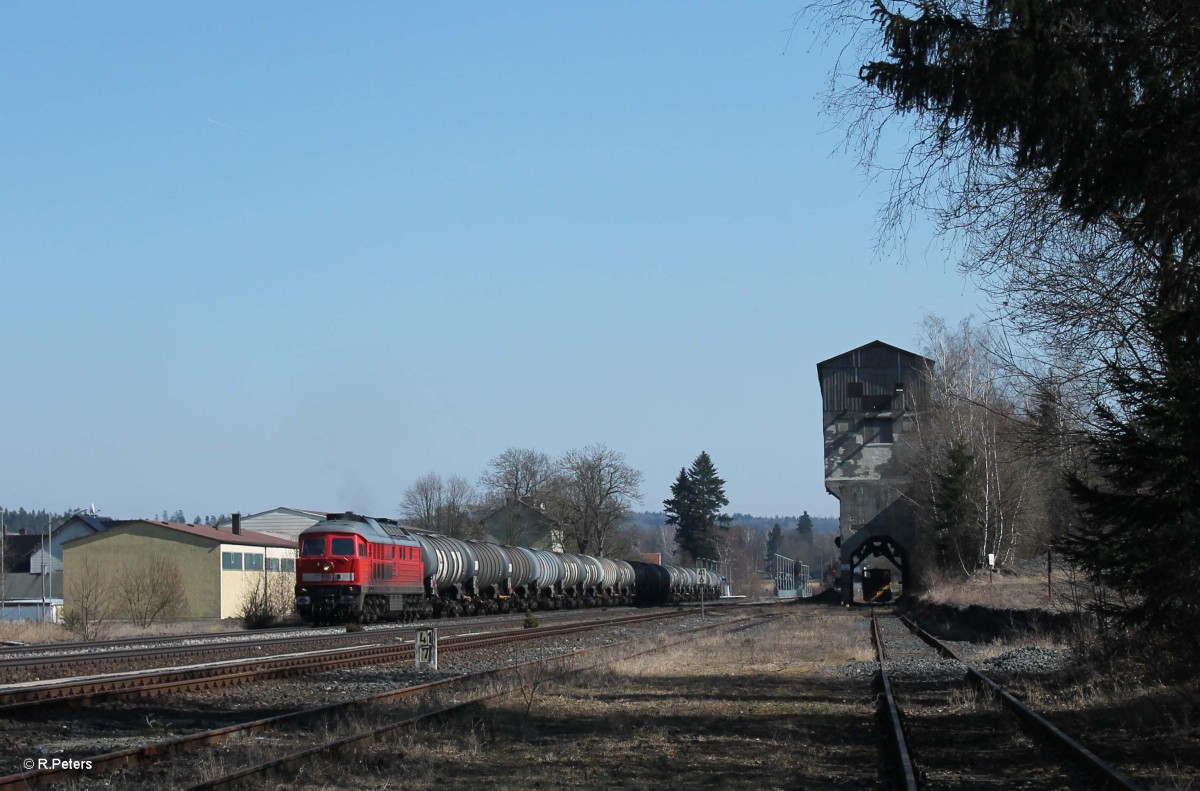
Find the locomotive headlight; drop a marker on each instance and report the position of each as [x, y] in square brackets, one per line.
[327, 566]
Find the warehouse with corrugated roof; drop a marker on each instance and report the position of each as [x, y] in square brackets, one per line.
[220, 566]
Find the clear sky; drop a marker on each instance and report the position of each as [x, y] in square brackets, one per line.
[302, 253]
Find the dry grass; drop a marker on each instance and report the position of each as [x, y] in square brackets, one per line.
[1007, 591]
[35, 632]
[751, 710]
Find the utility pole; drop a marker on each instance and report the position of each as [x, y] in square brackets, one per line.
[3, 547]
[45, 543]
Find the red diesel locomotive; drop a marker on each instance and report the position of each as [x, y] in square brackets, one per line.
[355, 568]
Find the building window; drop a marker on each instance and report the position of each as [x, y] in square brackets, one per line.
[854, 389]
[877, 431]
[288, 564]
[272, 564]
[877, 403]
[254, 562]
[231, 561]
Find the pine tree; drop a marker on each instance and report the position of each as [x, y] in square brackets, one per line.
[1142, 522]
[697, 497]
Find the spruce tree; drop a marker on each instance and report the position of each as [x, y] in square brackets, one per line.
[951, 503]
[681, 512]
[804, 526]
[1141, 525]
[697, 497]
[774, 540]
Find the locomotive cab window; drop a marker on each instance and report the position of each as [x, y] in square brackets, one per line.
[312, 547]
[342, 546]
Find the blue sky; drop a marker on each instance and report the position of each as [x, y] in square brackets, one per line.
[301, 254]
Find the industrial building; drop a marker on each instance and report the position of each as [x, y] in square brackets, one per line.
[219, 566]
[870, 401]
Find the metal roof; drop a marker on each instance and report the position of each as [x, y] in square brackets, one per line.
[382, 531]
[221, 535]
[873, 343]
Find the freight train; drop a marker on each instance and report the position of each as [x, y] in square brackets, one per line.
[355, 568]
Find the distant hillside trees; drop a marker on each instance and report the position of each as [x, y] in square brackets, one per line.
[32, 521]
[697, 497]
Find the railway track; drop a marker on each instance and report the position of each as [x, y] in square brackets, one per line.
[282, 766]
[289, 726]
[143, 684]
[937, 737]
[26, 649]
[50, 661]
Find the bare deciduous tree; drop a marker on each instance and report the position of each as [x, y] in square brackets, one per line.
[517, 474]
[443, 506]
[591, 497]
[458, 501]
[270, 598]
[151, 589]
[92, 604]
[422, 500]
[969, 452]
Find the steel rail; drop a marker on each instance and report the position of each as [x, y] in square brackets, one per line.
[53, 655]
[79, 664]
[149, 684]
[1035, 722]
[92, 645]
[133, 756]
[241, 635]
[900, 761]
[273, 767]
